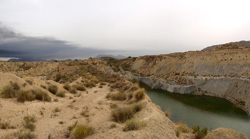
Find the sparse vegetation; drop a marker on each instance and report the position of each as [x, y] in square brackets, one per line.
[13, 91]
[29, 95]
[118, 96]
[58, 77]
[60, 94]
[10, 91]
[80, 87]
[53, 89]
[199, 133]
[25, 135]
[28, 122]
[82, 131]
[131, 125]
[125, 113]
[73, 91]
[113, 106]
[181, 128]
[139, 94]
[4, 124]
[67, 87]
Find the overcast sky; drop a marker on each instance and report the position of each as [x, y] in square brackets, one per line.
[138, 26]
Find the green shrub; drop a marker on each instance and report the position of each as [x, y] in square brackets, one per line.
[67, 87]
[199, 134]
[60, 94]
[29, 121]
[131, 125]
[82, 131]
[118, 96]
[139, 94]
[53, 89]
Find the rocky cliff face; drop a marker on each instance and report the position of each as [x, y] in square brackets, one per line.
[222, 72]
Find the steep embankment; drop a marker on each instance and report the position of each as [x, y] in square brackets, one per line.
[222, 72]
[72, 99]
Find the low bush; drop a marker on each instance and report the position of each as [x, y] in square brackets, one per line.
[53, 89]
[118, 96]
[199, 133]
[80, 87]
[131, 125]
[25, 96]
[67, 87]
[40, 95]
[139, 94]
[15, 86]
[82, 131]
[58, 77]
[28, 122]
[10, 91]
[181, 128]
[125, 113]
[90, 84]
[4, 124]
[29, 95]
[135, 87]
[60, 94]
[73, 91]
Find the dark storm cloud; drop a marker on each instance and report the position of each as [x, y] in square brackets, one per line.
[17, 45]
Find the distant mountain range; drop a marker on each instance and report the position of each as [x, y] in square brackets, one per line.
[112, 56]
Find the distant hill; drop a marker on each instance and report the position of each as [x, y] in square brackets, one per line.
[238, 44]
[110, 56]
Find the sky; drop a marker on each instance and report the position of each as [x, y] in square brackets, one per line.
[126, 27]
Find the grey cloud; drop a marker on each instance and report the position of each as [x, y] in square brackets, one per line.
[17, 45]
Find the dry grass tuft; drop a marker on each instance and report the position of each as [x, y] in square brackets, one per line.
[53, 89]
[131, 125]
[139, 94]
[60, 94]
[28, 122]
[125, 113]
[118, 96]
[181, 128]
[82, 131]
